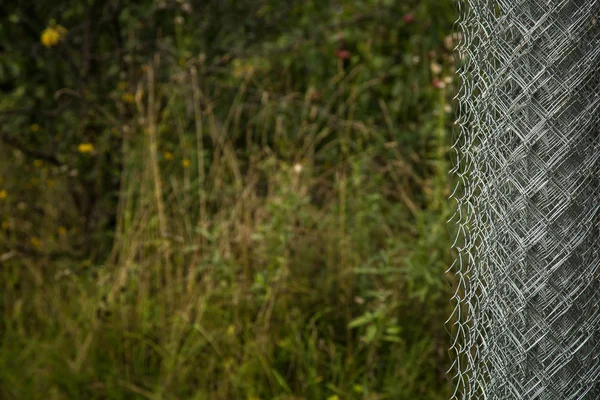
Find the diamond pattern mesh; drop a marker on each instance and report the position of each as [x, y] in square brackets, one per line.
[526, 322]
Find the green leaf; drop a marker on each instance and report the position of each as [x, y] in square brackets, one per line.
[281, 380]
[362, 320]
[371, 333]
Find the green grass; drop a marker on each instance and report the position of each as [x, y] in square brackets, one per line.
[272, 240]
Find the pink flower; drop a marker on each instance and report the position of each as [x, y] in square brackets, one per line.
[438, 84]
[409, 18]
[342, 54]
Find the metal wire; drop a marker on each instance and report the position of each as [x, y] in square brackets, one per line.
[526, 322]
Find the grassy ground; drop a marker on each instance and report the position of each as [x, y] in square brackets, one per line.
[273, 239]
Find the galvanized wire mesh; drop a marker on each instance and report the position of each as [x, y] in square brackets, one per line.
[526, 321]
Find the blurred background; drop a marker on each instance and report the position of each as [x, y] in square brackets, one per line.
[225, 199]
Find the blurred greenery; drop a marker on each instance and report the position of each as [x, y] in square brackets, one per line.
[224, 199]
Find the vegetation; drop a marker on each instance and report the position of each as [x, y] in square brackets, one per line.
[224, 199]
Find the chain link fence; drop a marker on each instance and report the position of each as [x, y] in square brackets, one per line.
[526, 322]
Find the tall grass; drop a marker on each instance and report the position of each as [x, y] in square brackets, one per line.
[278, 249]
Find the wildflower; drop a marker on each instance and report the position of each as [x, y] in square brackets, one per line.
[53, 34]
[297, 168]
[34, 127]
[62, 230]
[185, 162]
[5, 225]
[37, 163]
[409, 18]
[35, 242]
[186, 8]
[128, 98]
[230, 330]
[182, 62]
[448, 108]
[122, 85]
[85, 148]
[449, 42]
[241, 70]
[168, 155]
[50, 183]
[228, 363]
[438, 84]
[447, 80]
[3, 194]
[342, 54]
[416, 59]
[358, 388]
[436, 68]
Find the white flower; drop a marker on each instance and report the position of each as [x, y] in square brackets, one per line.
[436, 68]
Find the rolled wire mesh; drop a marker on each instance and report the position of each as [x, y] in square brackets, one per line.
[526, 322]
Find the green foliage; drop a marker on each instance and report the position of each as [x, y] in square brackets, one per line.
[224, 199]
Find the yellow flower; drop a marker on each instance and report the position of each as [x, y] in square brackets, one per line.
[4, 224]
[62, 230]
[128, 98]
[3, 194]
[357, 388]
[230, 330]
[182, 62]
[241, 69]
[85, 148]
[35, 242]
[185, 163]
[52, 35]
[228, 362]
[34, 127]
[38, 163]
[168, 155]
